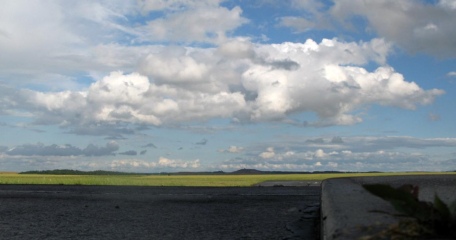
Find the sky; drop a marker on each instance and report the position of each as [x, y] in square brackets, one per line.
[213, 85]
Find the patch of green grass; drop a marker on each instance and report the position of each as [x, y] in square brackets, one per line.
[176, 180]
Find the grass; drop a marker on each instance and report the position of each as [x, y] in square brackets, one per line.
[176, 180]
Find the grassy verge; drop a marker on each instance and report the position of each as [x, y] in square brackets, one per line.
[163, 180]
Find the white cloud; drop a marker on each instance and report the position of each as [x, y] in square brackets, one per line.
[342, 120]
[45, 162]
[413, 25]
[232, 149]
[243, 81]
[356, 144]
[174, 5]
[207, 129]
[269, 153]
[376, 143]
[130, 164]
[44, 42]
[227, 82]
[332, 164]
[139, 165]
[201, 24]
[56, 38]
[174, 66]
[344, 160]
[320, 153]
[344, 88]
[357, 153]
[54, 43]
[165, 162]
[447, 4]
[237, 48]
[130, 98]
[451, 74]
[40, 149]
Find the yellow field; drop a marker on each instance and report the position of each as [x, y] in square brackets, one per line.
[164, 180]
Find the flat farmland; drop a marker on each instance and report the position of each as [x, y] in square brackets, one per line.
[178, 180]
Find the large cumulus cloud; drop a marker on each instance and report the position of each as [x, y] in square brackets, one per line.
[248, 83]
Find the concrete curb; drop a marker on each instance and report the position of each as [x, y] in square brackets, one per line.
[346, 206]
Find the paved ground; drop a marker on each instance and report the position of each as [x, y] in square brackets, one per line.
[102, 212]
[347, 207]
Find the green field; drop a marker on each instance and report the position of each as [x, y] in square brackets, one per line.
[175, 180]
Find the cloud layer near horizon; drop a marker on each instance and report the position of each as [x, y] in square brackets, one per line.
[291, 153]
[40, 149]
[363, 153]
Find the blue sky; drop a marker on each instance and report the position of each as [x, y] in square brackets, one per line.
[184, 85]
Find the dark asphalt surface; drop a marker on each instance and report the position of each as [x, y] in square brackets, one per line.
[112, 212]
[293, 183]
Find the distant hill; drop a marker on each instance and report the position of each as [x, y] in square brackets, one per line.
[77, 172]
[238, 172]
[257, 172]
[197, 173]
[247, 172]
[325, 172]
